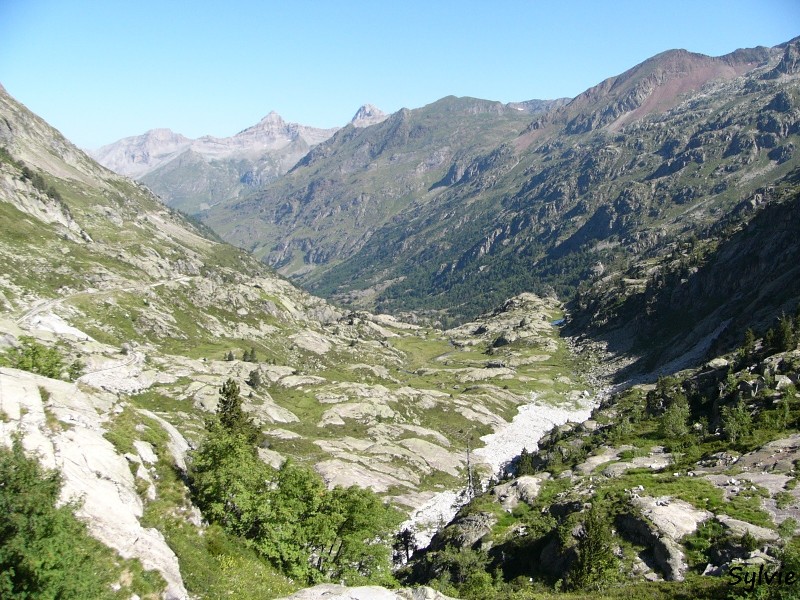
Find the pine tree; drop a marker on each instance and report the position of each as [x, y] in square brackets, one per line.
[254, 379]
[406, 542]
[785, 336]
[595, 552]
[229, 409]
[525, 464]
[229, 356]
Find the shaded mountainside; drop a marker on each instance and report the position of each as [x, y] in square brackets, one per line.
[699, 301]
[657, 154]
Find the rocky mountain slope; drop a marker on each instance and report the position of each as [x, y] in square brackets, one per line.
[699, 300]
[632, 166]
[684, 488]
[334, 200]
[149, 316]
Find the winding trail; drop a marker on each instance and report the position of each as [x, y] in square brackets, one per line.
[48, 304]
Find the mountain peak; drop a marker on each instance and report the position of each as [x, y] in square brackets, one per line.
[368, 115]
[272, 118]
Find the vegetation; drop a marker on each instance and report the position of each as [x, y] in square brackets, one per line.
[559, 543]
[45, 551]
[287, 515]
[37, 358]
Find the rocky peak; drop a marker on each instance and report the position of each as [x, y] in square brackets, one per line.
[789, 63]
[270, 129]
[136, 155]
[368, 115]
[654, 86]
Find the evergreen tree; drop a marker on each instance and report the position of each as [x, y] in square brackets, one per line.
[770, 340]
[231, 416]
[405, 542]
[525, 464]
[254, 379]
[785, 339]
[229, 356]
[595, 551]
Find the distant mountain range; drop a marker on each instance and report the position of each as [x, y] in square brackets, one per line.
[192, 174]
[195, 174]
[450, 208]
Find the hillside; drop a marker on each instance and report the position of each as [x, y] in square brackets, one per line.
[121, 321]
[628, 168]
[178, 420]
[681, 489]
[329, 207]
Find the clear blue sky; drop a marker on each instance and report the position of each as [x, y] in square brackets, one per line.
[100, 70]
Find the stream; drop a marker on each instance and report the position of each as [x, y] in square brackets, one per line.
[531, 423]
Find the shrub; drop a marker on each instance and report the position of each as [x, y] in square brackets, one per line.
[34, 357]
[45, 551]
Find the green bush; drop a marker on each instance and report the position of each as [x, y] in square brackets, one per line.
[45, 551]
[34, 357]
[287, 516]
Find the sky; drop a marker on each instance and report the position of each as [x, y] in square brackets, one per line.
[102, 70]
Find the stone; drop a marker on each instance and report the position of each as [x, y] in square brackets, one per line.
[92, 469]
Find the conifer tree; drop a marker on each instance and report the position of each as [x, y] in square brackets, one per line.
[254, 379]
[229, 410]
[595, 552]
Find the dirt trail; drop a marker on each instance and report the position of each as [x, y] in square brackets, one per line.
[48, 304]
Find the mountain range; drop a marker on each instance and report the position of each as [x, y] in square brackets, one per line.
[452, 207]
[560, 338]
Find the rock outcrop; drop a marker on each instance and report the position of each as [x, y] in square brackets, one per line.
[66, 433]
[330, 591]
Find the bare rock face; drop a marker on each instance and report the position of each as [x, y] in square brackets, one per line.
[368, 115]
[464, 532]
[525, 489]
[659, 523]
[789, 64]
[93, 472]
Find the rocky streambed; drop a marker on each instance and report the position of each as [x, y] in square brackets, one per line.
[532, 422]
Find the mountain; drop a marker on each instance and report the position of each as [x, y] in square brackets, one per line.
[391, 218]
[699, 300]
[329, 206]
[120, 323]
[368, 115]
[191, 174]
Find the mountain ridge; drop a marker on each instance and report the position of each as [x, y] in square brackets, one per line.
[595, 176]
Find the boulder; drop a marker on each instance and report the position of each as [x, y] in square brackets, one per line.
[464, 531]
